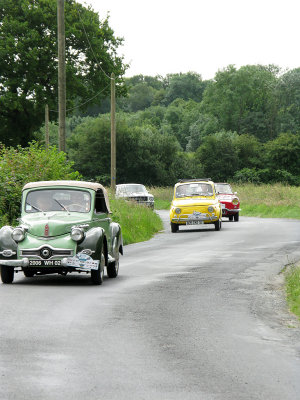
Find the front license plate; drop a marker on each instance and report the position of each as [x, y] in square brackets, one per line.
[44, 263]
[194, 222]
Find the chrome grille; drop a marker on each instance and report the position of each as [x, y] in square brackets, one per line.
[37, 253]
[141, 198]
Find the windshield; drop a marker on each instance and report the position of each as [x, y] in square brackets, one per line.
[194, 189]
[132, 189]
[58, 200]
[223, 188]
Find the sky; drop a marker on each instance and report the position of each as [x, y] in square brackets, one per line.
[171, 36]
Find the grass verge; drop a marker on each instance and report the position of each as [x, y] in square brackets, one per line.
[265, 211]
[138, 223]
[292, 281]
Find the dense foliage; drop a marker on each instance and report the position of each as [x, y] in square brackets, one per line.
[229, 128]
[28, 62]
[21, 165]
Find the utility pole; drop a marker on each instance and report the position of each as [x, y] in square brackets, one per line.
[113, 134]
[47, 127]
[61, 75]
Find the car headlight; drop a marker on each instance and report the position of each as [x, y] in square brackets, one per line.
[18, 234]
[77, 234]
[178, 210]
[210, 209]
[235, 201]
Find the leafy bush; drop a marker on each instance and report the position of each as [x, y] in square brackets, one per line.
[19, 166]
[266, 175]
[247, 175]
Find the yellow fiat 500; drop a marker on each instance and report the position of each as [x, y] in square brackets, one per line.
[195, 203]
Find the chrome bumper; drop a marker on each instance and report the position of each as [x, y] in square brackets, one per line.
[204, 218]
[24, 262]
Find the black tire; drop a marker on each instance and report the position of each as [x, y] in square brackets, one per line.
[28, 274]
[97, 275]
[7, 274]
[174, 227]
[230, 217]
[236, 217]
[113, 269]
[218, 225]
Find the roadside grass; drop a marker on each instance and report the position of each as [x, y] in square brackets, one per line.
[265, 211]
[138, 223]
[162, 197]
[292, 281]
[269, 201]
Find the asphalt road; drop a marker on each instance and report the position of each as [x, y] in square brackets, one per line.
[198, 314]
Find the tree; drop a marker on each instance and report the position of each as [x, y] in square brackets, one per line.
[187, 86]
[140, 97]
[179, 116]
[28, 62]
[289, 101]
[204, 126]
[244, 100]
[143, 154]
[218, 155]
[249, 151]
[282, 153]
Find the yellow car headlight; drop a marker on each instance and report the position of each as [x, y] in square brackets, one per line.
[178, 210]
[210, 209]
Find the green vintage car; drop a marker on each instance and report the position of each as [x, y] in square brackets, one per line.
[65, 227]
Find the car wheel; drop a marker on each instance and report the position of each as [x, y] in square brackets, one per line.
[97, 275]
[113, 269]
[236, 217]
[218, 225]
[7, 274]
[230, 217]
[28, 274]
[174, 227]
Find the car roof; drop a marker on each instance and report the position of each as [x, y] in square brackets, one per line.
[79, 184]
[200, 180]
[129, 184]
[82, 184]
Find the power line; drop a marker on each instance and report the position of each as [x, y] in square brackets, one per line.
[97, 61]
[82, 104]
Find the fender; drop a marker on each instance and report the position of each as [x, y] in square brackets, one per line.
[116, 238]
[94, 239]
[7, 242]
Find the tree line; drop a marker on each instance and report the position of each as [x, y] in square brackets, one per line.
[243, 126]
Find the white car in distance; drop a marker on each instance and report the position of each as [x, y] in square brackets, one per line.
[135, 192]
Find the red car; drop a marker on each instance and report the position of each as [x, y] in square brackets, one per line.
[229, 201]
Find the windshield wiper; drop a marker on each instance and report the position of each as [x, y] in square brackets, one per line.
[36, 208]
[62, 206]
